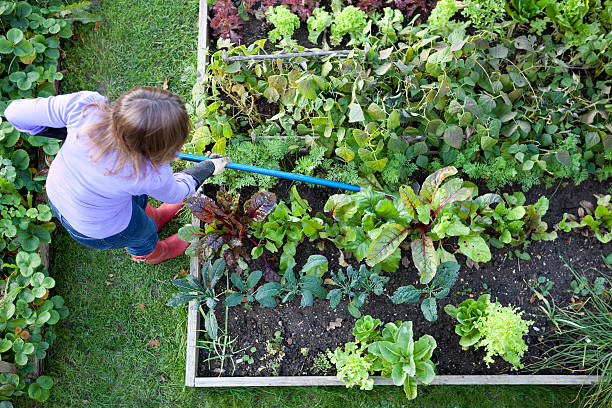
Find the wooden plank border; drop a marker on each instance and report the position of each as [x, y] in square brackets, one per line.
[284, 381]
[193, 319]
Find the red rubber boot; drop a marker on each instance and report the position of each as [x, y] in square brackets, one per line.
[164, 213]
[168, 248]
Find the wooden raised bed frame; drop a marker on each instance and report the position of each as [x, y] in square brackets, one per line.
[193, 321]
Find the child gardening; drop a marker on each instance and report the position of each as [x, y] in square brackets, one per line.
[113, 158]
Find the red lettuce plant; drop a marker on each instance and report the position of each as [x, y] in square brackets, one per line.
[226, 23]
[303, 8]
[368, 6]
[408, 7]
[226, 222]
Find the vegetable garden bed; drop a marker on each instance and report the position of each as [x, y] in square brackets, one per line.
[277, 346]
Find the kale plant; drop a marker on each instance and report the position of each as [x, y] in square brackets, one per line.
[306, 284]
[446, 276]
[284, 21]
[247, 294]
[190, 288]
[226, 222]
[355, 284]
[226, 23]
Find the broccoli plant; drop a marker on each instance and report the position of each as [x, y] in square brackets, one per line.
[226, 222]
[226, 23]
[317, 23]
[284, 21]
[592, 221]
[349, 21]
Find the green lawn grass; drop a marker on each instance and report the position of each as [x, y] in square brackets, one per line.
[102, 356]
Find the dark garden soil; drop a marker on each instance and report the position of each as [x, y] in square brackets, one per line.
[505, 277]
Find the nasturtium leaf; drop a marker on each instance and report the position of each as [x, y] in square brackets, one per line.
[393, 121]
[355, 113]
[424, 258]
[376, 112]
[498, 51]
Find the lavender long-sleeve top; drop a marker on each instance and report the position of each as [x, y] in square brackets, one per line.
[94, 202]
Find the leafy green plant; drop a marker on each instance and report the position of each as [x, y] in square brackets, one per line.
[190, 288]
[226, 222]
[247, 293]
[284, 21]
[389, 25]
[540, 284]
[352, 365]
[285, 228]
[524, 10]
[490, 325]
[321, 364]
[516, 223]
[317, 23]
[401, 358]
[355, 284]
[306, 285]
[366, 329]
[484, 13]
[468, 313]
[442, 13]
[446, 276]
[350, 20]
[591, 221]
[430, 207]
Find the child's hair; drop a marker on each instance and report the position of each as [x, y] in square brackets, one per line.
[144, 124]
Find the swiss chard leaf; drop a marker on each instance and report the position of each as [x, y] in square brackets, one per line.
[387, 241]
[424, 257]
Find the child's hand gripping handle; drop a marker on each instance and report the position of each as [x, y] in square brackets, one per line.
[204, 169]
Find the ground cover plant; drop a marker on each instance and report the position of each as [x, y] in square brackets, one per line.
[29, 67]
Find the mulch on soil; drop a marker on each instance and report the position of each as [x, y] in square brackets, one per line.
[504, 277]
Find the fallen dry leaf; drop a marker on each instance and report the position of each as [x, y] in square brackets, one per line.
[97, 26]
[141, 306]
[183, 272]
[405, 261]
[335, 324]
[110, 275]
[154, 343]
[165, 84]
[162, 378]
[158, 42]
[341, 261]
[289, 340]
[108, 283]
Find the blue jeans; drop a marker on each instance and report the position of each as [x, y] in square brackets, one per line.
[139, 237]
